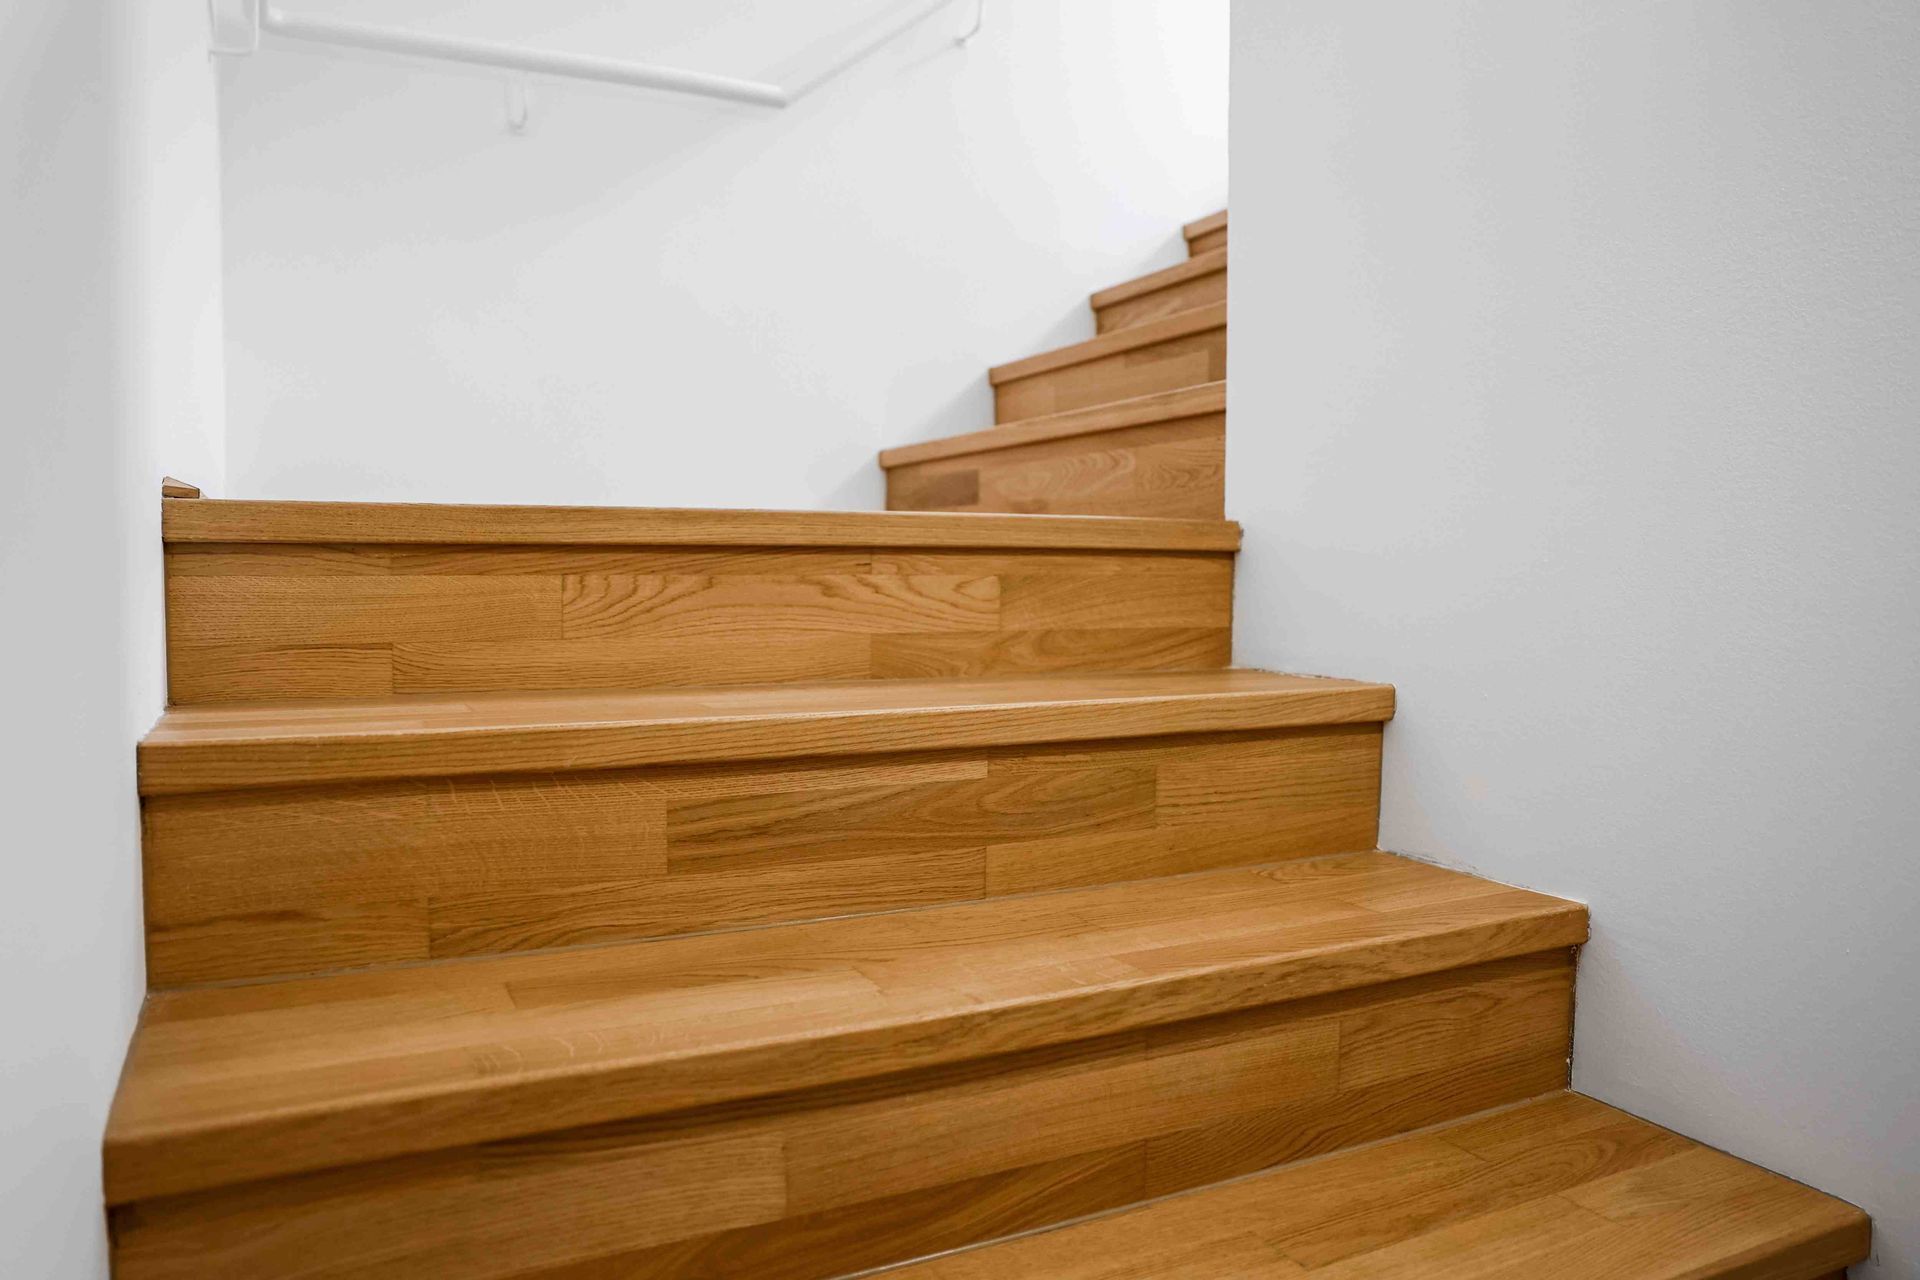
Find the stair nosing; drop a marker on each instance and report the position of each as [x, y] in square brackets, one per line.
[170, 1157]
[1211, 262]
[1204, 226]
[170, 762]
[242, 522]
[1178, 325]
[1119, 415]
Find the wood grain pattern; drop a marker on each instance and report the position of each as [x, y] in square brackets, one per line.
[1175, 468]
[690, 1193]
[445, 524]
[1200, 281]
[263, 622]
[1206, 235]
[1574, 1189]
[1140, 411]
[1176, 351]
[229, 1083]
[287, 881]
[220, 748]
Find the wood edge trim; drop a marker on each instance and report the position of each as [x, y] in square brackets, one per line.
[172, 488]
[241, 522]
[1209, 263]
[1179, 325]
[307, 759]
[1193, 402]
[1204, 226]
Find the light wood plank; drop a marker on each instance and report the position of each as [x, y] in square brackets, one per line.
[1207, 235]
[230, 1083]
[1107, 345]
[350, 611]
[1212, 242]
[1205, 226]
[231, 521]
[1200, 281]
[1165, 406]
[1054, 649]
[1163, 355]
[289, 881]
[604, 606]
[1175, 469]
[1039, 1135]
[1572, 1189]
[215, 748]
[272, 621]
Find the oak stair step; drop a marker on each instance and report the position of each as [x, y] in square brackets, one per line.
[228, 1086]
[225, 747]
[1162, 454]
[1207, 234]
[1562, 1187]
[1200, 281]
[272, 601]
[1176, 351]
[548, 846]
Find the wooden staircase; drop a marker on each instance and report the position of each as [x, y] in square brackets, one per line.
[548, 892]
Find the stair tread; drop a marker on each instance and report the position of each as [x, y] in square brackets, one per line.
[1178, 325]
[1205, 226]
[1161, 406]
[450, 524]
[233, 1083]
[1200, 264]
[1562, 1186]
[216, 746]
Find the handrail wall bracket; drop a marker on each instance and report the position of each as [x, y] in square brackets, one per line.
[238, 27]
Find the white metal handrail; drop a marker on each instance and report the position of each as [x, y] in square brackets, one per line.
[267, 18]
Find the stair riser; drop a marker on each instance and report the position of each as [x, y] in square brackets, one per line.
[297, 621]
[1201, 291]
[1182, 361]
[1175, 468]
[1207, 243]
[817, 1184]
[301, 880]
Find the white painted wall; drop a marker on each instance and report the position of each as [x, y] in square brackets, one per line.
[658, 301]
[1576, 377]
[110, 368]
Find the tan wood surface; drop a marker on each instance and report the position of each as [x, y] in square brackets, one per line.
[1175, 469]
[1164, 406]
[278, 621]
[233, 521]
[1178, 351]
[814, 1184]
[215, 748]
[286, 881]
[228, 1083]
[1206, 235]
[1107, 345]
[1560, 1187]
[1200, 281]
[172, 488]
